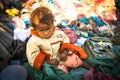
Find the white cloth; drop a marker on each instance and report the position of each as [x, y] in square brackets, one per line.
[21, 34]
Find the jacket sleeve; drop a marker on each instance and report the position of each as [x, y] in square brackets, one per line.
[35, 56]
[74, 49]
[40, 59]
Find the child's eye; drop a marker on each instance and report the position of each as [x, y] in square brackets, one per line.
[49, 28]
[40, 30]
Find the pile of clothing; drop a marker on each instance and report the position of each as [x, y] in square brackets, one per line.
[91, 25]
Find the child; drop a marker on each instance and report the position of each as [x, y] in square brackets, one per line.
[46, 42]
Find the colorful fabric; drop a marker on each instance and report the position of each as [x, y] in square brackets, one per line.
[71, 34]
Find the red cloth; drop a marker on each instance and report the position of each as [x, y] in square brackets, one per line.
[89, 75]
[102, 76]
[98, 1]
[118, 17]
[78, 5]
[81, 16]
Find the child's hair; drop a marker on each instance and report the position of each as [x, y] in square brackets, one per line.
[41, 15]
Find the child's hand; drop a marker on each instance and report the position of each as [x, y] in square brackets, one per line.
[63, 56]
[53, 62]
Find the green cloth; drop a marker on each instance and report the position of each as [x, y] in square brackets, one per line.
[107, 65]
[77, 73]
[50, 72]
[33, 73]
[116, 50]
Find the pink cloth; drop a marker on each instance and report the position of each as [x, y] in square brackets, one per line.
[71, 34]
[73, 61]
[63, 68]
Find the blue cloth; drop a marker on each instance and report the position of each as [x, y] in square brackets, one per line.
[97, 21]
[15, 62]
[84, 20]
[64, 24]
[116, 50]
[11, 26]
[13, 72]
[27, 22]
[50, 1]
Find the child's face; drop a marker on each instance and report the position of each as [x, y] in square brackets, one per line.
[44, 30]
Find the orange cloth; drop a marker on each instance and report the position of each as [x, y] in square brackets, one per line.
[30, 2]
[40, 59]
[74, 49]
